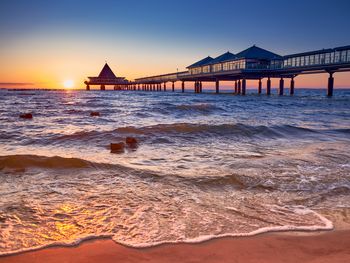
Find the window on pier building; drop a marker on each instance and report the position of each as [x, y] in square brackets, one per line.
[302, 61]
[242, 64]
[336, 57]
[312, 59]
[343, 56]
[217, 67]
[332, 58]
[317, 59]
[348, 56]
[307, 60]
[196, 71]
[322, 58]
[206, 69]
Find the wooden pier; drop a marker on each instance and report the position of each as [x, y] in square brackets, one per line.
[253, 63]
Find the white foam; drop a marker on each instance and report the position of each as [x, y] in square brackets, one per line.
[328, 225]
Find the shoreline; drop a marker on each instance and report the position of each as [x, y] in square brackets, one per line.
[318, 246]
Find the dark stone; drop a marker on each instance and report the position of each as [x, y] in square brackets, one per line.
[117, 147]
[131, 142]
[26, 116]
[94, 113]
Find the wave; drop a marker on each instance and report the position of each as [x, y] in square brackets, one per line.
[26, 161]
[163, 131]
[199, 107]
[323, 225]
[221, 129]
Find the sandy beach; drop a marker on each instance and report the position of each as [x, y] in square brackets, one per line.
[333, 246]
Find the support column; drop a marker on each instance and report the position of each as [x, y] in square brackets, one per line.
[243, 86]
[260, 87]
[236, 87]
[291, 91]
[268, 86]
[217, 86]
[330, 85]
[164, 86]
[200, 87]
[281, 87]
[239, 87]
[183, 86]
[173, 86]
[87, 87]
[154, 87]
[103, 87]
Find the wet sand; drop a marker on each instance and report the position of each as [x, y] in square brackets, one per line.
[333, 246]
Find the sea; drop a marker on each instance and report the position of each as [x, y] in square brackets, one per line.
[204, 166]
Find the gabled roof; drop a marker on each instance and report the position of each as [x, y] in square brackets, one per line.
[255, 52]
[224, 57]
[107, 73]
[202, 62]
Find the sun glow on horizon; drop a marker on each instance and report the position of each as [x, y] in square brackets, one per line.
[68, 84]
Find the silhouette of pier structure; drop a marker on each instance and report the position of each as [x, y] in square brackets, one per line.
[107, 77]
[253, 63]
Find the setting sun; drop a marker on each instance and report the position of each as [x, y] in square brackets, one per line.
[68, 83]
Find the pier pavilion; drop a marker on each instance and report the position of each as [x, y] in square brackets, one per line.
[255, 63]
[107, 77]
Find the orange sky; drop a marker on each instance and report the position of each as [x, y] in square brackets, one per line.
[48, 63]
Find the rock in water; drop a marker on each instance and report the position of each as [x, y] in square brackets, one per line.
[26, 116]
[131, 142]
[94, 114]
[117, 147]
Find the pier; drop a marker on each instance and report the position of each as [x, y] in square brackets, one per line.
[107, 77]
[253, 63]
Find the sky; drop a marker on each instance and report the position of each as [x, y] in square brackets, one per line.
[44, 43]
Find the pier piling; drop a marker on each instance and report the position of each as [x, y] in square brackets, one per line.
[244, 86]
[183, 86]
[259, 87]
[291, 91]
[330, 85]
[268, 86]
[217, 86]
[239, 87]
[281, 88]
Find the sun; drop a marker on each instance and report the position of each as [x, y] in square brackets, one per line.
[68, 84]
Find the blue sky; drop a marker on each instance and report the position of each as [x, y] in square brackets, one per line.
[169, 33]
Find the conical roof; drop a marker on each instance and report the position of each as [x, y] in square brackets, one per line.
[201, 62]
[106, 73]
[224, 57]
[255, 52]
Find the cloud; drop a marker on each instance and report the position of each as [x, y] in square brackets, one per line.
[16, 83]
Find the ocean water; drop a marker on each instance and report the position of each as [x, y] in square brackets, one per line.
[205, 166]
